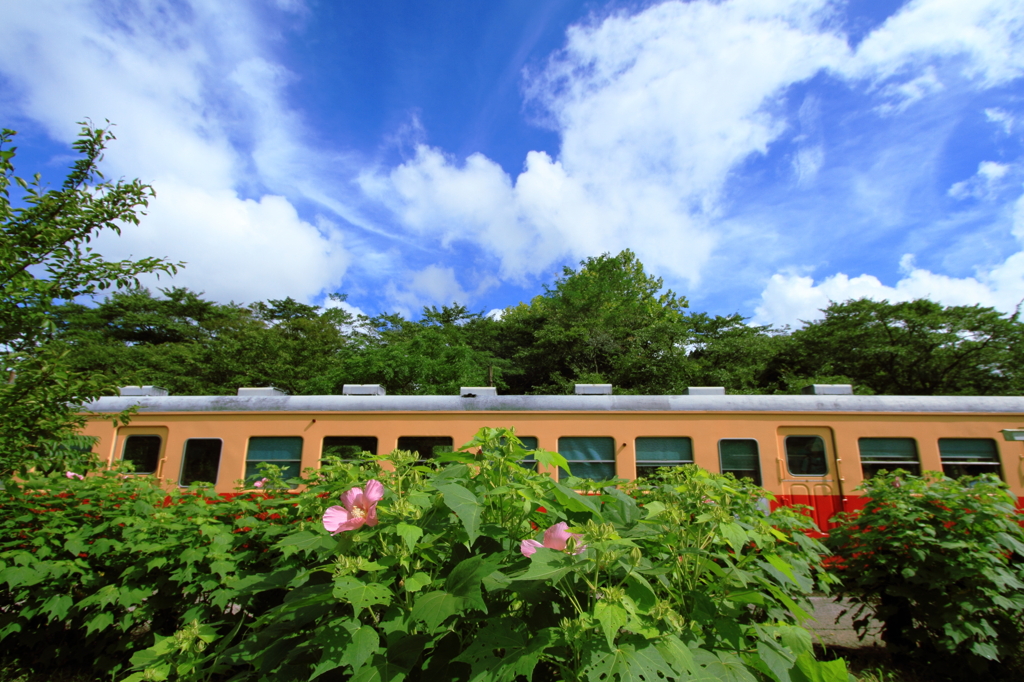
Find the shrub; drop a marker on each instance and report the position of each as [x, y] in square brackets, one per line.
[941, 563]
[681, 578]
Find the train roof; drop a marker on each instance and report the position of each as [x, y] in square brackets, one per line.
[565, 403]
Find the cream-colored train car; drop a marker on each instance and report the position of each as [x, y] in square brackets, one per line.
[808, 449]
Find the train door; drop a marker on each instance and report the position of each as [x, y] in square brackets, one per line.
[807, 471]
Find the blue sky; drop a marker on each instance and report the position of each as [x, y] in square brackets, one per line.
[762, 156]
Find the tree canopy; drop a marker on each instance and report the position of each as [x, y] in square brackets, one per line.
[607, 321]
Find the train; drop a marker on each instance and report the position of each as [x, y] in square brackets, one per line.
[812, 449]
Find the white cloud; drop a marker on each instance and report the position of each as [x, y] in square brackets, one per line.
[790, 298]
[981, 184]
[1001, 117]
[903, 95]
[983, 35]
[659, 109]
[807, 162]
[654, 111]
[433, 285]
[258, 249]
[158, 71]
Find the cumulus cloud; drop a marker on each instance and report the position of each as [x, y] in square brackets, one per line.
[433, 285]
[792, 298]
[157, 70]
[657, 110]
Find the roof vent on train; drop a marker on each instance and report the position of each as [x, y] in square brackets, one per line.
[593, 389]
[143, 390]
[478, 392]
[705, 390]
[828, 389]
[363, 389]
[261, 392]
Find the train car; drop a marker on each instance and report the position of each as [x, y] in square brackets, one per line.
[812, 449]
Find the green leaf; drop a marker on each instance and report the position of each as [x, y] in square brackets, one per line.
[634, 660]
[611, 617]
[57, 606]
[547, 564]
[778, 660]
[361, 595]
[465, 505]
[782, 567]
[676, 654]
[364, 643]
[101, 621]
[653, 509]
[573, 501]
[641, 592]
[417, 581]
[737, 538]
[520, 649]
[411, 534]
[21, 576]
[464, 580]
[434, 607]
[303, 541]
[808, 669]
[551, 459]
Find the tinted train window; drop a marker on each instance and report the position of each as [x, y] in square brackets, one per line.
[969, 457]
[589, 457]
[348, 448]
[284, 451]
[652, 453]
[739, 457]
[143, 452]
[889, 454]
[805, 456]
[428, 447]
[200, 461]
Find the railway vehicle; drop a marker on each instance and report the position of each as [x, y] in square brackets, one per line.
[812, 449]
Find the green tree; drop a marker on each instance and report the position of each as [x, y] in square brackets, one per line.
[433, 356]
[192, 346]
[726, 351]
[46, 259]
[608, 322]
[913, 348]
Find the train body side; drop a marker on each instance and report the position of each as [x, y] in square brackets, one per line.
[771, 426]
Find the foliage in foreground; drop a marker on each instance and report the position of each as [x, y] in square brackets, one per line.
[45, 259]
[941, 563]
[682, 578]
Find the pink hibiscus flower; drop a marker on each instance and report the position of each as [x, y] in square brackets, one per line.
[556, 537]
[72, 474]
[359, 507]
[259, 483]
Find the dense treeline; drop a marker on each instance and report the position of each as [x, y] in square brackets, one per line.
[606, 322]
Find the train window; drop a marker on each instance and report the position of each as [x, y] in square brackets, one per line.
[348, 448]
[428, 447]
[200, 461]
[969, 457]
[589, 457]
[652, 453]
[805, 456]
[529, 443]
[143, 452]
[284, 451]
[739, 457]
[889, 454]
